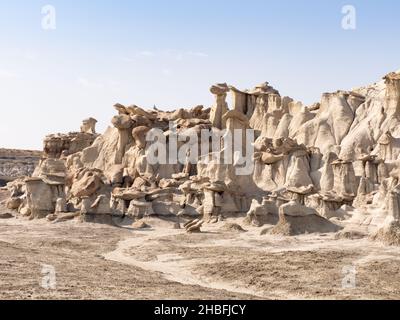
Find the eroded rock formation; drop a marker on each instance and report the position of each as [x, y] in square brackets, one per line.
[308, 163]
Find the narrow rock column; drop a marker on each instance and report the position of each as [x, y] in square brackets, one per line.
[236, 122]
[239, 100]
[345, 178]
[220, 107]
[327, 174]
[61, 205]
[393, 207]
[385, 146]
[124, 124]
[392, 81]
[89, 126]
[382, 172]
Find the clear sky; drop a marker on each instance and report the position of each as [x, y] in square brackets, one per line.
[168, 53]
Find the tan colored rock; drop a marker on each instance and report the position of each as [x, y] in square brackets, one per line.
[345, 179]
[323, 159]
[139, 136]
[220, 107]
[87, 183]
[256, 212]
[140, 225]
[61, 205]
[124, 125]
[89, 126]
[42, 197]
[194, 226]
[13, 203]
[392, 81]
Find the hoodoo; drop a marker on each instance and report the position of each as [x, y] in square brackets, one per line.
[309, 163]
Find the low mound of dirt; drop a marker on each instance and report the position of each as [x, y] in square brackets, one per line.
[265, 231]
[293, 226]
[232, 227]
[62, 217]
[260, 221]
[350, 234]
[140, 225]
[388, 235]
[6, 216]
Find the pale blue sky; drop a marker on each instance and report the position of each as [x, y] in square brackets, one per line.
[168, 53]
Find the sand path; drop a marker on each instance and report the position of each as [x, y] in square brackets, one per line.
[173, 267]
[180, 269]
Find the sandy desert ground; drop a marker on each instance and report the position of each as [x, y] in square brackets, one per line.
[94, 261]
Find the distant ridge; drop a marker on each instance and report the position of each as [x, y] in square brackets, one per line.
[16, 163]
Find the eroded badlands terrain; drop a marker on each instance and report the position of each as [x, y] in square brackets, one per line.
[95, 261]
[304, 204]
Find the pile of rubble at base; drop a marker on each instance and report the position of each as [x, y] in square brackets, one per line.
[337, 160]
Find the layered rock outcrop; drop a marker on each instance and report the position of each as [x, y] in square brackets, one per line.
[17, 163]
[293, 160]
